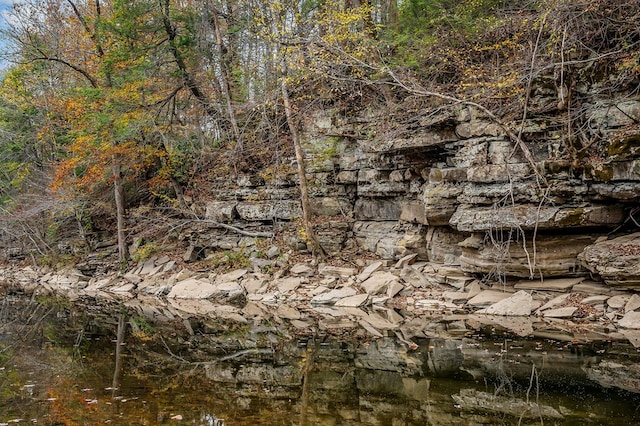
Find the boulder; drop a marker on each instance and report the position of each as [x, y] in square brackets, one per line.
[617, 261]
[221, 211]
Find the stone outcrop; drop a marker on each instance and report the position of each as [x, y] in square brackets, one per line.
[455, 189]
[617, 260]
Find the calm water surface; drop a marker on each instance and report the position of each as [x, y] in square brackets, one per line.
[90, 364]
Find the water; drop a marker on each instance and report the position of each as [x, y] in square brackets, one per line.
[92, 363]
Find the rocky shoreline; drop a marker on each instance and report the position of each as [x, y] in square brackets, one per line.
[409, 299]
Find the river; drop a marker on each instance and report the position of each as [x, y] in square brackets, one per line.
[91, 363]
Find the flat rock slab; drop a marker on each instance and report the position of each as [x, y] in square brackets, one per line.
[435, 304]
[565, 312]
[253, 285]
[378, 282]
[255, 310]
[630, 320]
[619, 301]
[407, 260]
[597, 299]
[302, 269]
[414, 277]
[617, 261]
[521, 326]
[561, 284]
[379, 323]
[288, 312]
[592, 287]
[353, 301]
[556, 301]
[125, 288]
[228, 289]
[366, 272]
[229, 313]
[519, 304]
[231, 276]
[190, 306]
[488, 297]
[369, 329]
[331, 297]
[148, 267]
[192, 288]
[393, 288]
[455, 296]
[633, 336]
[633, 303]
[335, 271]
[286, 285]
[303, 325]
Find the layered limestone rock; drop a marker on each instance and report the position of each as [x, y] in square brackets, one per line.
[513, 255]
[616, 261]
[455, 189]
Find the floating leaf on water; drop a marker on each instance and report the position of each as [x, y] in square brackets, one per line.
[176, 417]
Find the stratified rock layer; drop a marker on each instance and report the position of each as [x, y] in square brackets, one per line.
[616, 261]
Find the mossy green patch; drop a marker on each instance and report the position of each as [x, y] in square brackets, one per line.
[573, 218]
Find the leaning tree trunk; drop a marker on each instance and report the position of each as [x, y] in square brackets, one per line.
[118, 190]
[316, 250]
[225, 76]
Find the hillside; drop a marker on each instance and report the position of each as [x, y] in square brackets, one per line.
[500, 138]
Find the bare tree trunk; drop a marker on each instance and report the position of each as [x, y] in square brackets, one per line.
[224, 77]
[118, 190]
[115, 384]
[316, 250]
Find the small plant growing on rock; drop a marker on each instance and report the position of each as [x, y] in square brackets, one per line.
[144, 252]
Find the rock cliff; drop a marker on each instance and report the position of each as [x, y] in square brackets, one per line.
[456, 187]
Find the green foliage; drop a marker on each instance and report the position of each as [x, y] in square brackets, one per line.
[143, 252]
[142, 328]
[425, 24]
[230, 259]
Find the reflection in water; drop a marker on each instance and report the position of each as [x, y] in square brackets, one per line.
[115, 384]
[203, 372]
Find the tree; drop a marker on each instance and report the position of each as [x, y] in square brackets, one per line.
[100, 55]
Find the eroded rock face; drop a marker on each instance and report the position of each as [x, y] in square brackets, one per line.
[534, 216]
[552, 256]
[616, 261]
[455, 189]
